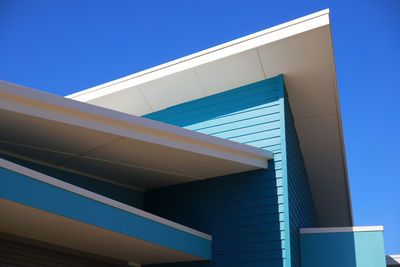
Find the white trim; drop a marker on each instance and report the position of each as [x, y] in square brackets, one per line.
[342, 147]
[251, 41]
[326, 230]
[88, 194]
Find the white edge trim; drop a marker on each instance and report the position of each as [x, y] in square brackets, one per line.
[393, 259]
[105, 200]
[327, 230]
[248, 42]
[340, 124]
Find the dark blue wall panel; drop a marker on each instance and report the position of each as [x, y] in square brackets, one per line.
[301, 207]
[243, 212]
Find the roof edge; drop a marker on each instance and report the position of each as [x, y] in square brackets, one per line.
[181, 60]
[342, 146]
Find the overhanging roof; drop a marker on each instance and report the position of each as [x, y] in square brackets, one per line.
[302, 50]
[111, 145]
[41, 207]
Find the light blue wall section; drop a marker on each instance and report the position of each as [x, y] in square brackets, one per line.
[40, 195]
[358, 249]
[120, 193]
[302, 213]
[244, 212]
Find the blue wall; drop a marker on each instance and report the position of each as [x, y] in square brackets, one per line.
[301, 207]
[244, 212]
[122, 194]
[358, 249]
[37, 194]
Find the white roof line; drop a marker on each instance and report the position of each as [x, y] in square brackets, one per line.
[201, 53]
[326, 230]
[88, 194]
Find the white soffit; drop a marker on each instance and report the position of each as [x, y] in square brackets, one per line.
[111, 145]
[301, 50]
[211, 71]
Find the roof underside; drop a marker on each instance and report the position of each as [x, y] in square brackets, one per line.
[106, 144]
[44, 208]
[301, 50]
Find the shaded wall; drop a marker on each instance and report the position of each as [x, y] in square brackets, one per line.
[243, 212]
[301, 206]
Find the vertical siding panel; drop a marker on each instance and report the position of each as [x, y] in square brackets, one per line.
[244, 212]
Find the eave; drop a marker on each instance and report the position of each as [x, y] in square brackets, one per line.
[302, 50]
[111, 145]
[44, 208]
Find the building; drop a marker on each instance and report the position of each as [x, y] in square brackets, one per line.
[232, 156]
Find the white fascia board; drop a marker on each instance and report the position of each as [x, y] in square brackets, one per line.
[52, 107]
[88, 194]
[246, 43]
[327, 230]
[342, 146]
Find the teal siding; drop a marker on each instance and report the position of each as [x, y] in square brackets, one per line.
[243, 212]
[34, 193]
[358, 249]
[122, 194]
[301, 207]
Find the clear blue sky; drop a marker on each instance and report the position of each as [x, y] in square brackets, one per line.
[66, 46]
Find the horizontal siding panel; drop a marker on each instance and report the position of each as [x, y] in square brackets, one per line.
[269, 234]
[248, 263]
[264, 135]
[243, 212]
[259, 196]
[224, 215]
[268, 142]
[245, 229]
[230, 207]
[256, 255]
[273, 148]
[247, 247]
[271, 105]
[228, 123]
[244, 221]
[207, 113]
[245, 130]
[252, 92]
